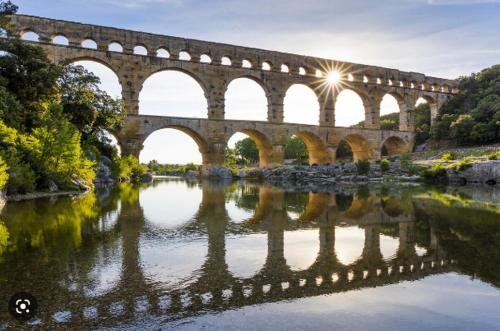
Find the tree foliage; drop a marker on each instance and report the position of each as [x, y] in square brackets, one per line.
[473, 116]
[129, 168]
[51, 117]
[296, 149]
[4, 176]
[247, 150]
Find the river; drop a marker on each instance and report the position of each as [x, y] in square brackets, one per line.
[191, 255]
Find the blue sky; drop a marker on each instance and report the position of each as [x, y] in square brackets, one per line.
[445, 38]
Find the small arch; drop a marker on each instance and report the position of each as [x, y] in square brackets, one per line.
[365, 79]
[60, 40]
[115, 47]
[302, 71]
[412, 85]
[379, 81]
[394, 146]
[178, 91]
[360, 147]
[184, 56]
[285, 68]
[30, 35]
[350, 77]
[89, 43]
[205, 58]
[318, 73]
[246, 63]
[390, 82]
[266, 66]
[225, 61]
[140, 50]
[301, 105]
[162, 53]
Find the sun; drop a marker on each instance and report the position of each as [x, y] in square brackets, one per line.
[333, 77]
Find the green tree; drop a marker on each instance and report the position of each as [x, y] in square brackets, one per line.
[295, 148]
[55, 152]
[247, 150]
[87, 107]
[4, 176]
[129, 168]
[473, 116]
[6, 8]
[30, 78]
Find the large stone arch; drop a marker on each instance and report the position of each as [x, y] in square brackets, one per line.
[263, 142]
[103, 61]
[196, 79]
[394, 146]
[433, 104]
[360, 147]
[202, 143]
[259, 82]
[361, 95]
[318, 151]
[286, 107]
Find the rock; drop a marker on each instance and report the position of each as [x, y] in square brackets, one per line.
[217, 172]
[80, 184]
[52, 186]
[103, 174]
[478, 173]
[191, 174]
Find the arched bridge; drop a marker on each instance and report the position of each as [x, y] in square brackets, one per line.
[135, 56]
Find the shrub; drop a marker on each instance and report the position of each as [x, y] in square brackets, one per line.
[406, 161]
[363, 167]
[462, 165]
[21, 179]
[435, 173]
[129, 168]
[448, 156]
[4, 176]
[384, 165]
[493, 155]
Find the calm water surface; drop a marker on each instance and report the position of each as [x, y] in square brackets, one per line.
[207, 255]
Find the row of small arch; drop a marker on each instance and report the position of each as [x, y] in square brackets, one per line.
[184, 55]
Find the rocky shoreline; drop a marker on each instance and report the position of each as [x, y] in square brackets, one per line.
[38, 195]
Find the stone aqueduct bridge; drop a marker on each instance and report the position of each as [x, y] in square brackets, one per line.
[215, 65]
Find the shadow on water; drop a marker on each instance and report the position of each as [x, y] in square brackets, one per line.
[116, 255]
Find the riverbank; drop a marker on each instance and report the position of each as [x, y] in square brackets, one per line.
[38, 195]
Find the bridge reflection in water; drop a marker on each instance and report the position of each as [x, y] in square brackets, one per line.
[138, 294]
